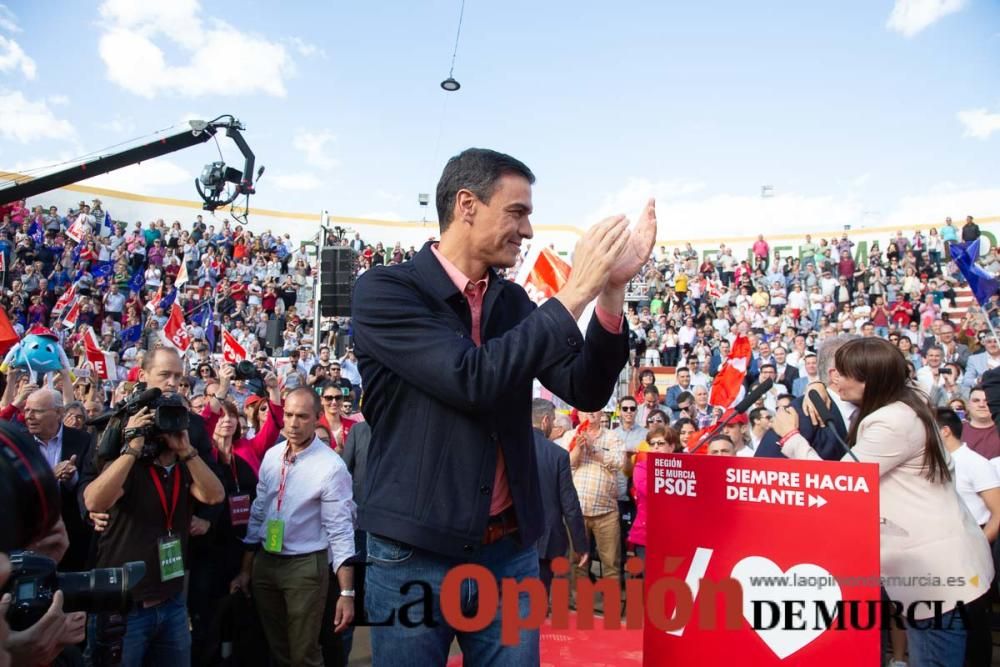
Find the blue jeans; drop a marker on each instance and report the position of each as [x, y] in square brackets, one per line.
[158, 636]
[937, 642]
[392, 565]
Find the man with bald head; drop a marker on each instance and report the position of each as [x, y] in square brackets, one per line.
[65, 449]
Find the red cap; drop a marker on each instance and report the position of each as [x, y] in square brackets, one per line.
[253, 399]
[39, 330]
[740, 419]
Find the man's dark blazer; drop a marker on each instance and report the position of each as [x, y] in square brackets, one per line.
[789, 377]
[819, 437]
[356, 456]
[75, 443]
[442, 408]
[560, 504]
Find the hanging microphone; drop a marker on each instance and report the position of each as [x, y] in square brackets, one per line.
[827, 417]
[752, 397]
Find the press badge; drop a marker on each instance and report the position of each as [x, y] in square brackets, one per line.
[171, 558]
[239, 510]
[275, 535]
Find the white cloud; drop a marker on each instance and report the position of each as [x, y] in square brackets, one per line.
[221, 59]
[313, 146]
[119, 125]
[307, 49]
[909, 17]
[979, 123]
[146, 178]
[296, 182]
[58, 100]
[634, 194]
[8, 22]
[944, 200]
[23, 120]
[728, 215]
[12, 56]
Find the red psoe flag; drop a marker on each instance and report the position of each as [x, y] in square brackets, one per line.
[232, 351]
[727, 383]
[549, 273]
[174, 332]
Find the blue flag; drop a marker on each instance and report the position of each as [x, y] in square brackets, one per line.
[138, 281]
[75, 255]
[39, 233]
[205, 319]
[131, 335]
[108, 224]
[102, 269]
[983, 285]
[210, 333]
[167, 299]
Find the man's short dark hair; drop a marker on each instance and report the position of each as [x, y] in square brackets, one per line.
[651, 389]
[768, 365]
[541, 408]
[756, 413]
[948, 417]
[684, 396]
[627, 398]
[476, 170]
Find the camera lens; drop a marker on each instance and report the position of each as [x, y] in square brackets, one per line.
[29, 494]
[101, 590]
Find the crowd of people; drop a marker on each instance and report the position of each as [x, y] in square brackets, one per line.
[230, 480]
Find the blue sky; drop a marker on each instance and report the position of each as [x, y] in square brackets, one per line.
[858, 112]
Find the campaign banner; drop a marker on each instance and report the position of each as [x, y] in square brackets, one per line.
[761, 562]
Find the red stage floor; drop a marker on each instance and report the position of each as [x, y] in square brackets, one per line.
[586, 648]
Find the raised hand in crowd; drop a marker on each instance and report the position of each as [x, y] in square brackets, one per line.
[65, 470]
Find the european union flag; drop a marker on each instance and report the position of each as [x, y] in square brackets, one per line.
[132, 334]
[39, 233]
[167, 299]
[102, 269]
[108, 224]
[137, 282]
[982, 284]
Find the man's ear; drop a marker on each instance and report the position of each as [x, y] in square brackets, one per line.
[465, 206]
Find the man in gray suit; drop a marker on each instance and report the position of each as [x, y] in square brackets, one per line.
[560, 504]
[982, 362]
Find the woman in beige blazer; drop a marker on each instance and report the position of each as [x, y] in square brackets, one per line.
[931, 548]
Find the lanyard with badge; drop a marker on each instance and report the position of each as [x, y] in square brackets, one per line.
[169, 547]
[276, 526]
[239, 504]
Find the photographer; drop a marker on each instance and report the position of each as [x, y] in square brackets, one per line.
[151, 503]
[55, 631]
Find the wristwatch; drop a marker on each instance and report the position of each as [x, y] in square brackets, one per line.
[349, 593]
[192, 455]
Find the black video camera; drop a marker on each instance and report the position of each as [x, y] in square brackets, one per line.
[34, 580]
[170, 415]
[246, 371]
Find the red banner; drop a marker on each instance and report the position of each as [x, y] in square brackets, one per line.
[727, 383]
[762, 562]
[102, 362]
[174, 332]
[232, 351]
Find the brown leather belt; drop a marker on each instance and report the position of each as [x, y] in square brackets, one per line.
[500, 526]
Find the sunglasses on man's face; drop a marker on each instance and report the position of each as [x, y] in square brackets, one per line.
[628, 408]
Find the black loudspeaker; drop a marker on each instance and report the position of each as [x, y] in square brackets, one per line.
[336, 281]
[273, 334]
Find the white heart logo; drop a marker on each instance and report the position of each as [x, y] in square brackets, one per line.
[763, 582]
